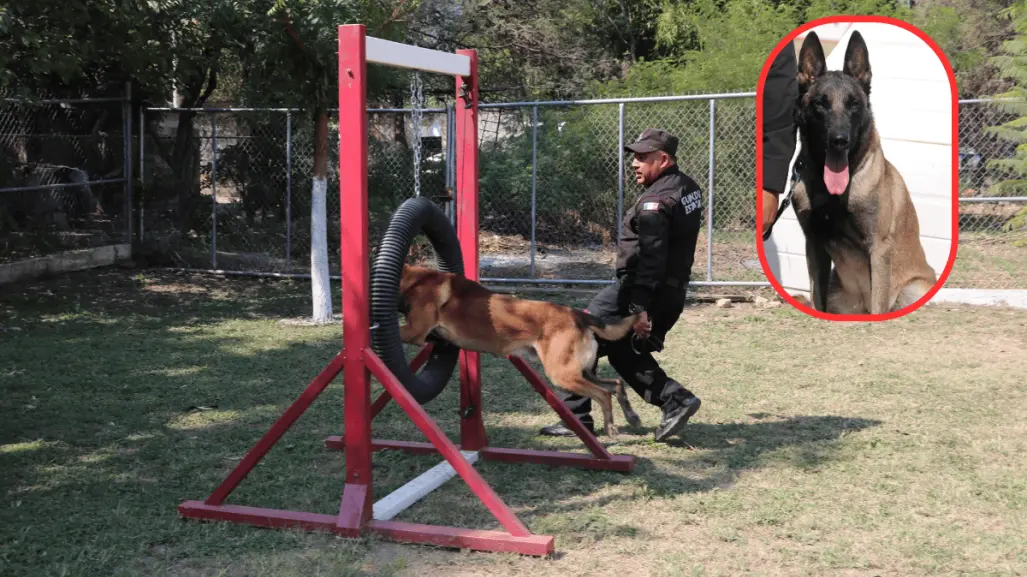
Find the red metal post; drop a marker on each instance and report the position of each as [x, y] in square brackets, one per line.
[449, 451]
[356, 506]
[472, 428]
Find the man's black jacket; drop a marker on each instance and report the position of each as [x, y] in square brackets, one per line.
[658, 237]
[780, 92]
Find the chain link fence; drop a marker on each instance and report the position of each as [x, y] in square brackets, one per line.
[229, 189]
[992, 249]
[553, 187]
[65, 174]
[555, 184]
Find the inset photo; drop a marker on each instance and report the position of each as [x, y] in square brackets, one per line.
[856, 144]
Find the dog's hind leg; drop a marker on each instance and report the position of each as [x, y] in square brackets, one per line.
[579, 385]
[911, 293]
[616, 387]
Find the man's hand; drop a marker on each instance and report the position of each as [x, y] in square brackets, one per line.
[770, 203]
[643, 326]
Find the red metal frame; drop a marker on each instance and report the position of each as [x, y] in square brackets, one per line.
[358, 363]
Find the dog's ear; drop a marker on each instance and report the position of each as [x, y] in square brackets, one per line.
[812, 63]
[857, 61]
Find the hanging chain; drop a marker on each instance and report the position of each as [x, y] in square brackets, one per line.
[416, 102]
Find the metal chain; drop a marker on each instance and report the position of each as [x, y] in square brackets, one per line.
[416, 102]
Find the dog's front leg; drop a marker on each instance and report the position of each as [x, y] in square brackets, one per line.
[819, 264]
[880, 279]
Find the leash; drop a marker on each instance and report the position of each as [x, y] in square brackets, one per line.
[657, 346]
[788, 198]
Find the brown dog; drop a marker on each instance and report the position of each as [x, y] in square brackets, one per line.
[474, 318]
[851, 202]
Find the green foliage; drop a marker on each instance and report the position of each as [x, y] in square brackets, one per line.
[1012, 63]
[576, 190]
[47, 47]
[890, 8]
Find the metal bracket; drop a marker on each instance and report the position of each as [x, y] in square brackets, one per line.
[465, 94]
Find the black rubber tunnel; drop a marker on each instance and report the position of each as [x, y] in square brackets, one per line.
[416, 215]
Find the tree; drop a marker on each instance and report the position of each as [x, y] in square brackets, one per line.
[302, 33]
[1012, 63]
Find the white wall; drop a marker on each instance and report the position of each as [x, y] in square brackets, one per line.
[911, 99]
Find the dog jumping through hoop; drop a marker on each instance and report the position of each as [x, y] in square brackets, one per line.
[474, 318]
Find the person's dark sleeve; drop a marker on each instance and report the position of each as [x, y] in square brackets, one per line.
[779, 94]
[654, 220]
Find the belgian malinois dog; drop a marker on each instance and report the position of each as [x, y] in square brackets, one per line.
[474, 318]
[852, 204]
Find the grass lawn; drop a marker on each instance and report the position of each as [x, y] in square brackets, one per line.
[891, 448]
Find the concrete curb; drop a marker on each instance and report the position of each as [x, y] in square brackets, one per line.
[64, 262]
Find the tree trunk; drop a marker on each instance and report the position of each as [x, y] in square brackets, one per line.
[185, 162]
[320, 281]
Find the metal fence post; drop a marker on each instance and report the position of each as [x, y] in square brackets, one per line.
[288, 190]
[620, 169]
[452, 163]
[126, 129]
[450, 160]
[214, 191]
[142, 167]
[534, 180]
[709, 208]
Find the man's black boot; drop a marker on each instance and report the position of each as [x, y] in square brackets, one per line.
[676, 412]
[561, 430]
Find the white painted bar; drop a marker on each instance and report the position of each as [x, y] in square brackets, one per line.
[397, 501]
[414, 57]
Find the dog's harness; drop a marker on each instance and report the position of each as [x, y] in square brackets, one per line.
[788, 197]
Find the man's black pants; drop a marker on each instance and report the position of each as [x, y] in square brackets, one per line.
[641, 371]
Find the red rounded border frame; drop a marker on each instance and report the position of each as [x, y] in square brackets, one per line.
[787, 42]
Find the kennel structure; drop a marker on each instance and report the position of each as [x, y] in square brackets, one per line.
[361, 356]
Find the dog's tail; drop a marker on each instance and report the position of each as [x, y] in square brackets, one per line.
[607, 331]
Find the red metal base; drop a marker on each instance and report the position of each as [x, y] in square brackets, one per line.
[353, 518]
[539, 545]
[624, 463]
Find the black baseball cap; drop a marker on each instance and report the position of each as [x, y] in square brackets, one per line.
[653, 139]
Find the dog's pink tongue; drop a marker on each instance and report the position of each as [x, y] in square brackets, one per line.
[836, 177]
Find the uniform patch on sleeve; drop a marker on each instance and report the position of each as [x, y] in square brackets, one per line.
[650, 206]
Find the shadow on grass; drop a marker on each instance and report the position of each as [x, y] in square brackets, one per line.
[721, 453]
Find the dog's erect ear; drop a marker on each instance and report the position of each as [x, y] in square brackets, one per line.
[812, 63]
[857, 61]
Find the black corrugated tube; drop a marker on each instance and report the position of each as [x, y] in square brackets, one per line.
[413, 216]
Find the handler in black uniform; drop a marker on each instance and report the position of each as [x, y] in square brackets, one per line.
[654, 266]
